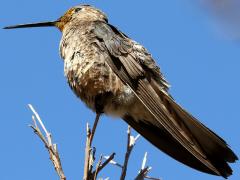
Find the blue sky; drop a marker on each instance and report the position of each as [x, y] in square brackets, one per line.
[201, 65]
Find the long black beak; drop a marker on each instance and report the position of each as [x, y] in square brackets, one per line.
[41, 24]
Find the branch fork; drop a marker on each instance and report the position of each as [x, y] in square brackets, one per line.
[89, 173]
[47, 141]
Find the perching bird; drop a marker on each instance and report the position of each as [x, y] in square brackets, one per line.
[117, 76]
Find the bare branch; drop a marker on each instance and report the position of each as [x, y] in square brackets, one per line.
[90, 154]
[92, 158]
[97, 168]
[143, 173]
[48, 135]
[144, 161]
[113, 162]
[94, 127]
[87, 154]
[131, 140]
[47, 140]
[89, 174]
[152, 178]
[106, 162]
[101, 165]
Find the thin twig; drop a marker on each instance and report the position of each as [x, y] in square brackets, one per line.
[143, 173]
[89, 158]
[105, 163]
[48, 135]
[130, 144]
[92, 158]
[152, 178]
[97, 168]
[94, 127]
[87, 154]
[144, 170]
[52, 148]
[114, 162]
[129, 149]
[144, 161]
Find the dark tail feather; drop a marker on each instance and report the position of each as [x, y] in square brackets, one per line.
[215, 148]
[166, 143]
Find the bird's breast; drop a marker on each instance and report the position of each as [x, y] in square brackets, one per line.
[89, 76]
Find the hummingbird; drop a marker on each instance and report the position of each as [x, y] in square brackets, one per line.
[115, 75]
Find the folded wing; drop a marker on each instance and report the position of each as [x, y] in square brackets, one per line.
[200, 148]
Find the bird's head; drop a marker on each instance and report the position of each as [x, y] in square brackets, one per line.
[78, 14]
[73, 15]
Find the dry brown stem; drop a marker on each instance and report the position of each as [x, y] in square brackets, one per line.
[143, 173]
[47, 140]
[131, 140]
[90, 154]
[89, 173]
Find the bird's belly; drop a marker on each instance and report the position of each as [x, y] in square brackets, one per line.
[99, 80]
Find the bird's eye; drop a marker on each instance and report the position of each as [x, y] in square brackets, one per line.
[77, 10]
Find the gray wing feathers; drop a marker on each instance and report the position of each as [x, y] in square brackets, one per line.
[135, 67]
